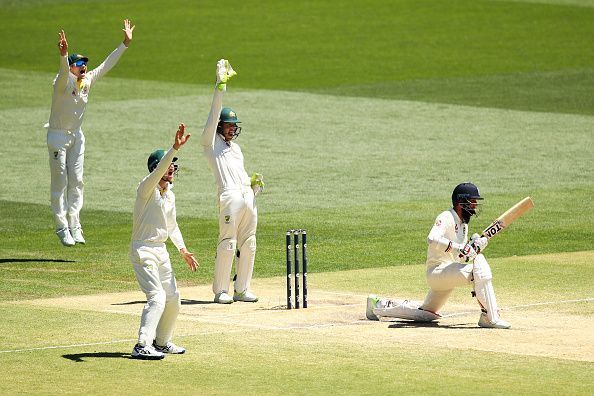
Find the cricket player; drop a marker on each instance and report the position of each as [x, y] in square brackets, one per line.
[238, 216]
[65, 138]
[154, 222]
[452, 261]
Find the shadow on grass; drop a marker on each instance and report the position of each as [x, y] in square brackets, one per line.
[183, 302]
[80, 357]
[435, 325]
[17, 260]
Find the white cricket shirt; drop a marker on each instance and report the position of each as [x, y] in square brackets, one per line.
[154, 214]
[70, 98]
[448, 235]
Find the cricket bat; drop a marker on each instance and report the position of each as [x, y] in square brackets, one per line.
[503, 221]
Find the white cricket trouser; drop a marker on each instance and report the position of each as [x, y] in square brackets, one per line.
[156, 279]
[442, 280]
[66, 159]
[238, 220]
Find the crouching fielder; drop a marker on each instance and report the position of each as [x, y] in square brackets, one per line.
[452, 261]
[154, 222]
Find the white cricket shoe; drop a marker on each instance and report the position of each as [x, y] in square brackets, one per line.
[65, 237]
[372, 302]
[146, 352]
[170, 348]
[485, 322]
[223, 298]
[246, 296]
[77, 235]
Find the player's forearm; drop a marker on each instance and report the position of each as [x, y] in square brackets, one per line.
[150, 182]
[177, 239]
[208, 135]
[436, 239]
[62, 78]
[109, 62]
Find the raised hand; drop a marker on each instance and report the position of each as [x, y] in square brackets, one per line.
[180, 138]
[62, 43]
[128, 32]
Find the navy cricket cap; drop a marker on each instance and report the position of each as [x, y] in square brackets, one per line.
[76, 57]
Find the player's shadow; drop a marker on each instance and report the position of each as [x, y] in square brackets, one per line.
[19, 260]
[80, 357]
[184, 301]
[435, 325]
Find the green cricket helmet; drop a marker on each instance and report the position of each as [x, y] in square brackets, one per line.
[156, 157]
[229, 116]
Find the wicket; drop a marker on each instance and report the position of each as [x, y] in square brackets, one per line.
[294, 245]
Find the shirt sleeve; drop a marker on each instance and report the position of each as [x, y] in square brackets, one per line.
[62, 78]
[208, 135]
[175, 234]
[436, 235]
[149, 183]
[107, 64]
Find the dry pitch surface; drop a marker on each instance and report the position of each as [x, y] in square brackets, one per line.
[340, 315]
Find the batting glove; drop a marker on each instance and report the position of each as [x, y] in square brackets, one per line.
[479, 242]
[224, 73]
[467, 253]
[257, 183]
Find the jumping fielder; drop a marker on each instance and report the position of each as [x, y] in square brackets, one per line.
[65, 138]
[238, 216]
[154, 222]
[452, 261]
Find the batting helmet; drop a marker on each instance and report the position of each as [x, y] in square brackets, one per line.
[155, 158]
[462, 195]
[228, 115]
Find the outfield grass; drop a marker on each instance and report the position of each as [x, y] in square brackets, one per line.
[362, 116]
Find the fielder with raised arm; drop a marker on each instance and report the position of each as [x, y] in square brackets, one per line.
[238, 216]
[452, 262]
[155, 222]
[65, 138]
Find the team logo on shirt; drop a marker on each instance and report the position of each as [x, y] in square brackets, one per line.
[56, 154]
[227, 219]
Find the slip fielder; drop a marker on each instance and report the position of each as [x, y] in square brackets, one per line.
[65, 138]
[452, 262]
[155, 222]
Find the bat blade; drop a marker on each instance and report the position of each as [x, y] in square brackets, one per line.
[508, 217]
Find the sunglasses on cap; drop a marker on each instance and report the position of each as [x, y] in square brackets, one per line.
[79, 63]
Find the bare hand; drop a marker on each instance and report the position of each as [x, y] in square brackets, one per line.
[190, 259]
[180, 138]
[62, 43]
[127, 32]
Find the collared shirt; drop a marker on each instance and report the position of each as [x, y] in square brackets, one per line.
[225, 159]
[70, 96]
[154, 211]
[448, 235]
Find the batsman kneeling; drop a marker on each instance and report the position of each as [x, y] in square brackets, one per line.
[452, 261]
[154, 222]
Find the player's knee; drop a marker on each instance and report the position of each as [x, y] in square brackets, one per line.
[156, 299]
[481, 269]
[250, 243]
[228, 244]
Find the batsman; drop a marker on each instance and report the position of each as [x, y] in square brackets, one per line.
[452, 261]
[238, 215]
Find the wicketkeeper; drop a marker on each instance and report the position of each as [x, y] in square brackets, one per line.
[65, 138]
[154, 222]
[452, 261]
[238, 215]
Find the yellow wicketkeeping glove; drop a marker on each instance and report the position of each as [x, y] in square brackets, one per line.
[257, 183]
[224, 73]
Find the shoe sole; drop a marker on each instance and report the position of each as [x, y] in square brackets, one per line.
[252, 301]
[144, 357]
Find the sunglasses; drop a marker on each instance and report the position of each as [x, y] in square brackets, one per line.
[79, 63]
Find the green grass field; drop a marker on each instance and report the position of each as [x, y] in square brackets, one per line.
[362, 116]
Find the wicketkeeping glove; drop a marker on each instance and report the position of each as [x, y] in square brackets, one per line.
[224, 73]
[479, 242]
[467, 253]
[257, 183]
